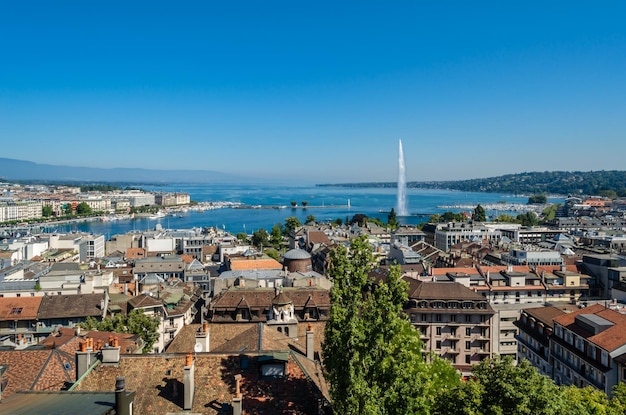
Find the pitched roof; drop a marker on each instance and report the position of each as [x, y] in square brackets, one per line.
[48, 369]
[68, 341]
[19, 308]
[68, 306]
[158, 383]
[426, 290]
[608, 339]
[144, 300]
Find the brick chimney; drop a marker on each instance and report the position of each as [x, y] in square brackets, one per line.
[310, 342]
[202, 339]
[237, 400]
[123, 399]
[84, 357]
[188, 382]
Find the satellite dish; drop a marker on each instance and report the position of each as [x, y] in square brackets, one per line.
[197, 348]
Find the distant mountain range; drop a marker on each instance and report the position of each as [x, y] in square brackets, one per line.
[19, 170]
[608, 183]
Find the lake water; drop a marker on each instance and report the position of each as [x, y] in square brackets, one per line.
[325, 203]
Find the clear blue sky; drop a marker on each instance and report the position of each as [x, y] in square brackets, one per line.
[314, 90]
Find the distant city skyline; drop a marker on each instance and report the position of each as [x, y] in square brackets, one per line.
[316, 92]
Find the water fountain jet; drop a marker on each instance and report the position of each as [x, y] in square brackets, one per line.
[402, 205]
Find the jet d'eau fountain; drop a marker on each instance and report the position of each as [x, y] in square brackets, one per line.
[402, 206]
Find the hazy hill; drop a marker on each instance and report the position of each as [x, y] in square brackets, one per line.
[11, 169]
[556, 182]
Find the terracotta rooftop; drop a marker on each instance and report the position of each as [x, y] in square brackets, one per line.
[547, 314]
[68, 341]
[158, 383]
[37, 370]
[234, 337]
[608, 339]
[244, 263]
[19, 308]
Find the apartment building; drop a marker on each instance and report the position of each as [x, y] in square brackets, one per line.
[535, 328]
[588, 347]
[454, 321]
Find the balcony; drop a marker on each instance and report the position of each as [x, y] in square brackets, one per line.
[171, 327]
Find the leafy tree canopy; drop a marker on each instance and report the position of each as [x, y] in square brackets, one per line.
[260, 238]
[291, 223]
[392, 219]
[135, 322]
[479, 214]
[372, 353]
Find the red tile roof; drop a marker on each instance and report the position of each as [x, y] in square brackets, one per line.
[19, 308]
[157, 381]
[608, 339]
[36, 370]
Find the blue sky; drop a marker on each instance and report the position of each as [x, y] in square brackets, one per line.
[315, 91]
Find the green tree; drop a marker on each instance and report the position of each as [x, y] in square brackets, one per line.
[304, 203]
[67, 209]
[451, 217]
[242, 236]
[272, 253]
[294, 203]
[359, 218]
[135, 322]
[500, 387]
[276, 236]
[479, 214]
[83, 209]
[506, 219]
[537, 199]
[291, 224]
[144, 325]
[310, 220]
[338, 222]
[260, 238]
[46, 211]
[392, 219]
[372, 353]
[610, 193]
[528, 219]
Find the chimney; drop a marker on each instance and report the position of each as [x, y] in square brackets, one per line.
[188, 381]
[202, 339]
[84, 358]
[310, 348]
[237, 400]
[111, 351]
[123, 400]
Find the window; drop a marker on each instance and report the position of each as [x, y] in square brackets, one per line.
[453, 332]
[605, 358]
[453, 318]
[468, 331]
[468, 318]
[438, 331]
[423, 317]
[468, 345]
[483, 318]
[438, 344]
[438, 317]
[467, 359]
